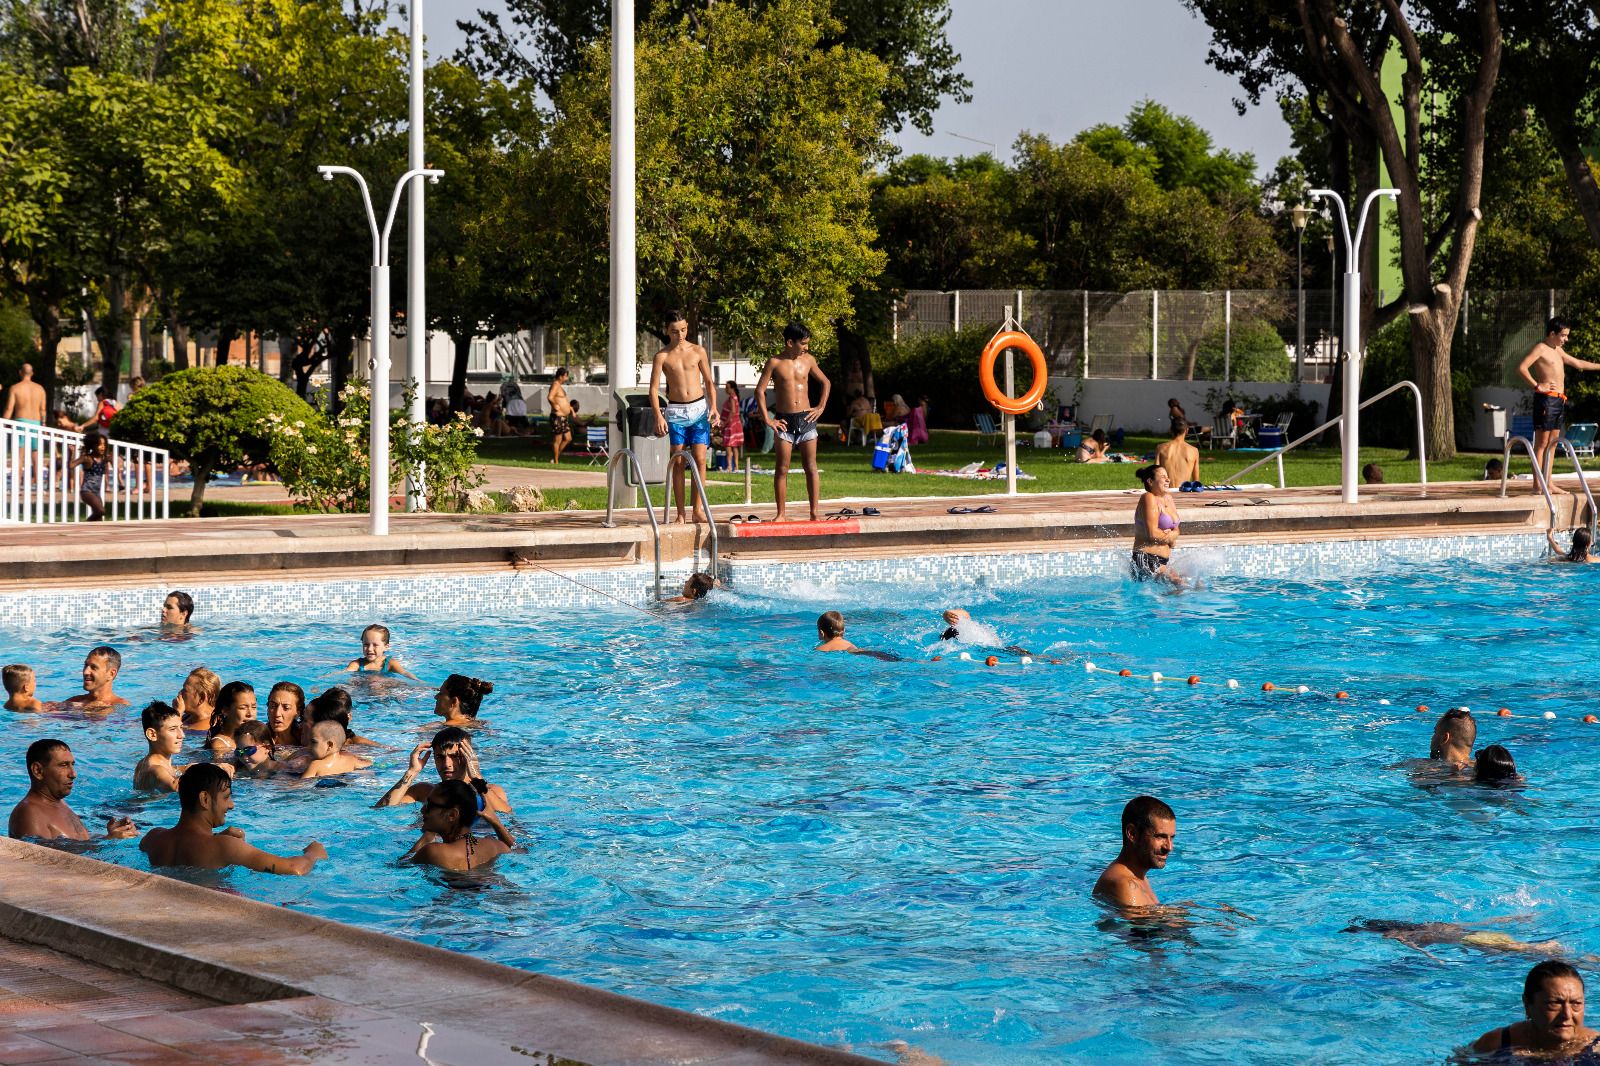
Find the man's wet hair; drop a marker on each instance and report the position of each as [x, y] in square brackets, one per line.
[156, 713]
[1494, 763]
[105, 651]
[1556, 325]
[795, 332]
[1458, 720]
[201, 779]
[42, 751]
[185, 602]
[1548, 970]
[675, 316]
[831, 623]
[700, 585]
[1142, 811]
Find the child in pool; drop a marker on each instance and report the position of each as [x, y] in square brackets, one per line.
[198, 700]
[375, 657]
[252, 751]
[163, 731]
[328, 757]
[19, 682]
[236, 705]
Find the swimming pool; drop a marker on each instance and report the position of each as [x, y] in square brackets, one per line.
[855, 852]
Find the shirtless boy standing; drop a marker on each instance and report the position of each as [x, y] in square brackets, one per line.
[1544, 368]
[1180, 459]
[690, 415]
[560, 415]
[795, 422]
[26, 401]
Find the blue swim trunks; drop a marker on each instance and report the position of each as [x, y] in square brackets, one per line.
[688, 424]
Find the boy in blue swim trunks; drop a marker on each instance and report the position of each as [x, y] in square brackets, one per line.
[795, 421]
[689, 415]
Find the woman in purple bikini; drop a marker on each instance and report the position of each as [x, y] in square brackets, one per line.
[1155, 527]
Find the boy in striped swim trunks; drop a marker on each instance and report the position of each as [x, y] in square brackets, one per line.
[795, 422]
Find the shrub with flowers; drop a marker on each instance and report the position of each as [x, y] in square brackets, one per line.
[323, 459]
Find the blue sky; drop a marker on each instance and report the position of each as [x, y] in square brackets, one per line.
[1054, 67]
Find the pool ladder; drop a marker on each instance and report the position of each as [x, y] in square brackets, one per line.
[649, 510]
[1544, 486]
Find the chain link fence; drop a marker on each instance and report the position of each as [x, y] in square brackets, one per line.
[1234, 335]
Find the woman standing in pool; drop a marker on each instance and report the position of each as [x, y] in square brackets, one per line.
[1155, 527]
[455, 760]
[1552, 998]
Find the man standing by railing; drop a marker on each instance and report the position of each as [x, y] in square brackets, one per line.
[1549, 361]
[26, 401]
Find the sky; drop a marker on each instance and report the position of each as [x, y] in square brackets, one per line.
[1054, 67]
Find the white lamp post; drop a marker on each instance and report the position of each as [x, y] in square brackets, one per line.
[378, 489]
[621, 363]
[1350, 448]
[416, 296]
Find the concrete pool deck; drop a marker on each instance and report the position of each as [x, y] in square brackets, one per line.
[200, 974]
[268, 547]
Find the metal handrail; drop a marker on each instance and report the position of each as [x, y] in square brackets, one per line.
[1583, 479]
[649, 512]
[1422, 451]
[682, 459]
[1538, 474]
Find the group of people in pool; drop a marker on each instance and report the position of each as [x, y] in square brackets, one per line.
[299, 738]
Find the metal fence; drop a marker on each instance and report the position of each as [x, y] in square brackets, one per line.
[1232, 335]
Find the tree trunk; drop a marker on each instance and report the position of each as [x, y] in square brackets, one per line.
[341, 343]
[1579, 176]
[180, 342]
[855, 364]
[48, 319]
[1430, 358]
[458, 369]
[202, 477]
[108, 331]
[225, 335]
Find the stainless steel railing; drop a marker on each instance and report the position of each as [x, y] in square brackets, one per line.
[1538, 474]
[649, 512]
[683, 459]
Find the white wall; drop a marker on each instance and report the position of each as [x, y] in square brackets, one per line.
[1140, 406]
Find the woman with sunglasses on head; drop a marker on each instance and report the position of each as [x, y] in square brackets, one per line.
[455, 760]
[447, 840]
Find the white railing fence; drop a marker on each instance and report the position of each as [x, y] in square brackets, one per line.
[39, 481]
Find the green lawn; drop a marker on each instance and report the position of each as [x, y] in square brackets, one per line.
[848, 471]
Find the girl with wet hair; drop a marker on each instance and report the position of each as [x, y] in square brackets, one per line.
[1494, 765]
[236, 705]
[1578, 553]
[455, 760]
[459, 698]
[286, 712]
[334, 705]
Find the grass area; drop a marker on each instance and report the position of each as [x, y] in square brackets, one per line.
[848, 471]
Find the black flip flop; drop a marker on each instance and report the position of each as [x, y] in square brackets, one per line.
[870, 511]
[959, 510]
[843, 513]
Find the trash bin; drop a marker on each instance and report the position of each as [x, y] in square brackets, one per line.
[638, 423]
[1042, 439]
[1489, 426]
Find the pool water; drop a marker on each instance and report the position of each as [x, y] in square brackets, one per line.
[856, 852]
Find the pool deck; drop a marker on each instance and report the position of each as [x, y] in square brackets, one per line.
[269, 547]
[109, 964]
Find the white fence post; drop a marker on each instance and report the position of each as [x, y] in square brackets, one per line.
[1155, 333]
[955, 311]
[1227, 335]
[40, 484]
[1083, 364]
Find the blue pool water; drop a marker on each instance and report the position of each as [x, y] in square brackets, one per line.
[855, 852]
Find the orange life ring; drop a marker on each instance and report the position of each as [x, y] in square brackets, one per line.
[1041, 372]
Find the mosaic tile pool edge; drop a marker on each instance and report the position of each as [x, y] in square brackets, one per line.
[455, 595]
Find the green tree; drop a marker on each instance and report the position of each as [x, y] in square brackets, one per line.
[545, 40]
[946, 224]
[754, 143]
[1252, 351]
[1175, 152]
[214, 417]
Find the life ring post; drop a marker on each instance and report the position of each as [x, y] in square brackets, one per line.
[1007, 340]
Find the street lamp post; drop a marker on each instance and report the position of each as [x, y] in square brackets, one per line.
[378, 456]
[416, 261]
[1350, 450]
[1298, 217]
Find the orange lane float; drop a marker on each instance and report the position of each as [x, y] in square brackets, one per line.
[992, 661]
[1504, 712]
[1194, 679]
[1010, 338]
[1267, 686]
[1590, 719]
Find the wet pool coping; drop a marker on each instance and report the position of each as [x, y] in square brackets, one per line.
[193, 939]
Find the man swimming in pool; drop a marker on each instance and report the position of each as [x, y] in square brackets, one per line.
[690, 415]
[830, 635]
[1453, 736]
[1148, 830]
[795, 422]
[956, 618]
[43, 813]
[205, 796]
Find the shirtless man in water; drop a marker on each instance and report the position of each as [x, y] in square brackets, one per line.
[690, 416]
[43, 813]
[1544, 368]
[205, 796]
[795, 422]
[1148, 828]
